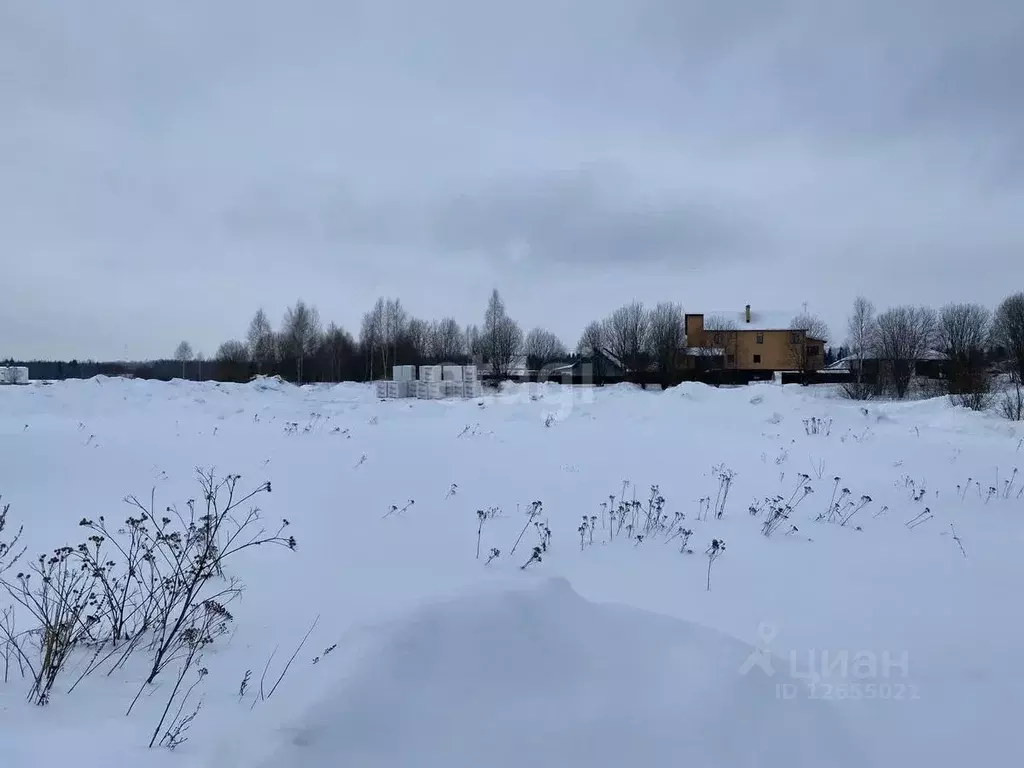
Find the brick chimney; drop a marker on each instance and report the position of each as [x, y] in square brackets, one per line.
[746, 313]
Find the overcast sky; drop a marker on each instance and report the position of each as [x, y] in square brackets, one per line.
[166, 168]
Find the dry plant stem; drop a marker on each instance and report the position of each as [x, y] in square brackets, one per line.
[290, 660]
[177, 684]
[263, 678]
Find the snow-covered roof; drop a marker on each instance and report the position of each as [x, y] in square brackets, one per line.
[612, 358]
[760, 319]
[705, 352]
[846, 363]
[843, 364]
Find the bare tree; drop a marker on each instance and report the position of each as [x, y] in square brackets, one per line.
[1008, 330]
[1012, 405]
[396, 321]
[626, 331]
[262, 346]
[905, 335]
[493, 316]
[233, 351]
[183, 354]
[337, 347]
[964, 331]
[591, 346]
[1008, 333]
[372, 339]
[300, 334]
[231, 362]
[446, 340]
[814, 329]
[666, 339]
[416, 340]
[502, 337]
[720, 340]
[474, 343]
[542, 348]
[862, 337]
[384, 329]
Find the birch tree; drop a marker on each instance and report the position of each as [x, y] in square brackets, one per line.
[300, 334]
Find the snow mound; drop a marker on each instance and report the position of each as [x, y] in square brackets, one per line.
[695, 390]
[265, 383]
[542, 677]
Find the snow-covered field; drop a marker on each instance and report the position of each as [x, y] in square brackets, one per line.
[878, 642]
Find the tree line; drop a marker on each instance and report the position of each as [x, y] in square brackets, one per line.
[982, 351]
[302, 349]
[985, 348]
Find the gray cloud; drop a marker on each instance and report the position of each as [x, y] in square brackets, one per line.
[582, 219]
[246, 153]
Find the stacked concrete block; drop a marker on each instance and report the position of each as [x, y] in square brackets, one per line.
[471, 386]
[399, 388]
[429, 390]
[430, 373]
[18, 375]
[403, 372]
[434, 382]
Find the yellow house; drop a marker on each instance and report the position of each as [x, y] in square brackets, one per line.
[749, 341]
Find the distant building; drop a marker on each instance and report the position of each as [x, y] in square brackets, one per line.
[749, 341]
[932, 364]
[604, 363]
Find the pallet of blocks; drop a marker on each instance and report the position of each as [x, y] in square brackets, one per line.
[471, 386]
[403, 372]
[430, 373]
[397, 389]
[429, 390]
[380, 389]
[452, 373]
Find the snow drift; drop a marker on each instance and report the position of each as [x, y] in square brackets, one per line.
[541, 677]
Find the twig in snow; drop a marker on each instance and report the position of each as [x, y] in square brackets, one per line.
[956, 538]
[924, 517]
[535, 509]
[299, 648]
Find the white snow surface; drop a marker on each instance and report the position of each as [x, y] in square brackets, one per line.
[532, 677]
[614, 652]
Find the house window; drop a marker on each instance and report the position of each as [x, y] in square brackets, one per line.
[757, 358]
[813, 350]
[795, 338]
[760, 338]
